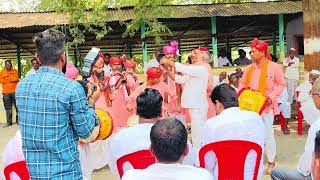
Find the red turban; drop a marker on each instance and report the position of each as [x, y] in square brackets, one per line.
[203, 49]
[261, 46]
[130, 64]
[154, 73]
[115, 60]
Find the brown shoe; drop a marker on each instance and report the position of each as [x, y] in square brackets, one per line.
[268, 170]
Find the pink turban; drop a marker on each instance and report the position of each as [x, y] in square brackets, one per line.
[172, 48]
[72, 71]
[116, 60]
[154, 73]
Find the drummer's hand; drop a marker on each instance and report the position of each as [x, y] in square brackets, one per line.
[268, 101]
[129, 107]
[93, 97]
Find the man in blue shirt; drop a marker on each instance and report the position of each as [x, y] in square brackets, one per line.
[54, 113]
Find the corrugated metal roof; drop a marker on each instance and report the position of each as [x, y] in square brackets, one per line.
[18, 20]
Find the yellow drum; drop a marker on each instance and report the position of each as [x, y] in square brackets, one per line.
[105, 126]
[251, 100]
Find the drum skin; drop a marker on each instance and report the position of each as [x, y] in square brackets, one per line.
[106, 124]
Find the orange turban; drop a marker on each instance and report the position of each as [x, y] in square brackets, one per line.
[154, 73]
[130, 64]
[115, 60]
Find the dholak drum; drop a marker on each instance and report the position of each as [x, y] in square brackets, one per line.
[105, 125]
[251, 100]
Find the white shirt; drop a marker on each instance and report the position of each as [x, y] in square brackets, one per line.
[216, 81]
[223, 61]
[134, 139]
[304, 166]
[304, 91]
[107, 69]
[292, 71]
[235, 124]
[195, 80]
[161, 171]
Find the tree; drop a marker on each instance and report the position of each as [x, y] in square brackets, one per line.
[311, 20]
[90, 15]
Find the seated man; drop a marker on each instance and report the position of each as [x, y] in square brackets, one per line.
[169, 145]
[308, 108]
[234, 81]
[231, 123]
[303, 171]
[217, 80]
[316, 158]
[137, 137]
[285, 109]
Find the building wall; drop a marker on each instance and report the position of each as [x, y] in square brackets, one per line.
[294, 28]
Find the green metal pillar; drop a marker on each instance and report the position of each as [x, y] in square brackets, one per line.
[144, 44]
[19, 61]
[75, 55]
[214, 40]
[274, 44]
[67, 53]
[281, 37]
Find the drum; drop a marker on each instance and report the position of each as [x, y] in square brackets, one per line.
[251, 100]
[105, 126]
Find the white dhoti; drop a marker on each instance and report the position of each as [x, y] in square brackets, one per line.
[285, 109]
[93, 156]
[198, 119]
[269, 140]
[291, 86]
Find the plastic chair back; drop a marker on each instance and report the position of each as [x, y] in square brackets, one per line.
[139, 160]
[20, 168]
[231, 156]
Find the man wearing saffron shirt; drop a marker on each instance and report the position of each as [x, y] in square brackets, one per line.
[9, 80]
[119, 92]
[266, 77]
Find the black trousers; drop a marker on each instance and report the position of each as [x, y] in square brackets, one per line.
[9, 99]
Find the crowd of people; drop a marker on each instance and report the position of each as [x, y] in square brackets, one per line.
[54, 112]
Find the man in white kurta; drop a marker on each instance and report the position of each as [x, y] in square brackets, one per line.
[169, 145]
[285, 109]
[308, 108]
[291, 64]
[136, 138]
[231, 123]
[303, 171]
[194, 95]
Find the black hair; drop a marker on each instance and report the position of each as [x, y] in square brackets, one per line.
[317, 145]
[225, 95]
[149, 104]
[168, 139]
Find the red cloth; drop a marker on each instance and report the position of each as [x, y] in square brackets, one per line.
[154, 73]
[115, 60]
[130, 64]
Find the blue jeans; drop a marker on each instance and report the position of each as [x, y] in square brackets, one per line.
[288, 174]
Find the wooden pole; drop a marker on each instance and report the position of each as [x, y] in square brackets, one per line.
[311, 22]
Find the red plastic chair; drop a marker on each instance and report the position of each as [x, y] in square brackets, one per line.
[231, 156]
[139, 160]
[20, 168]
[300, 116]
